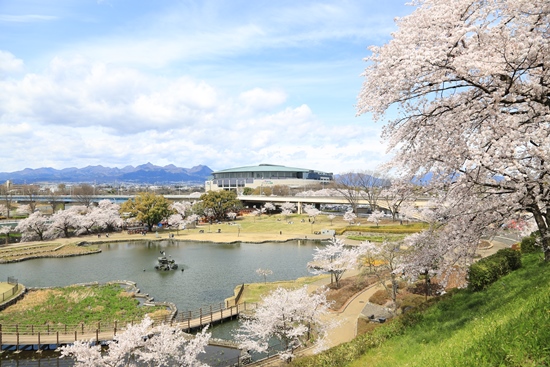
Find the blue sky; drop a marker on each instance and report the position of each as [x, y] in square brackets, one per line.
[220, 83]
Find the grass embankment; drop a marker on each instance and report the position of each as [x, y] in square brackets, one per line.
[253, 292]
[77, 304]
[508, 324]
[387, 227]
[20, 253]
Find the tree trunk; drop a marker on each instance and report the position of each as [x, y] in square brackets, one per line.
[546, 247]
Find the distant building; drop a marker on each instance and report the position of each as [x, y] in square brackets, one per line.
[265, 175]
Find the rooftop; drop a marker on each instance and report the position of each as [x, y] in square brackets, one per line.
[265, 168]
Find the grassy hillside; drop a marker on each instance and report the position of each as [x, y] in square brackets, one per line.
[506, 325]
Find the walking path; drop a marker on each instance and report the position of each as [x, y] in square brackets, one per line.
[346, 317]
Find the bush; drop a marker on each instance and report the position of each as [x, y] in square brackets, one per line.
[529, 245]
[380, 297]
[491, 268]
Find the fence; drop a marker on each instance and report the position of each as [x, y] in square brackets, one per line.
[16, 334]
[11, 292]
[190, 320]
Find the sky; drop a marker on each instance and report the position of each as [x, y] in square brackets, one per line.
[219, 83]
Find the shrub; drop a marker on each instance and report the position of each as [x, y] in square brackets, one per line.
[491, 268]
[380, 297]
[529, 245]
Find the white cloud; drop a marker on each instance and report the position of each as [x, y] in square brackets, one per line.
[26, 18]
[9, 63]
[79, 113]
[261, 99]
[218, 83]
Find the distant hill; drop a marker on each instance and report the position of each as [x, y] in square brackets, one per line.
[145, 173]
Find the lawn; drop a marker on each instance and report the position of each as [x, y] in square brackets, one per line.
[74, 305]
[507, 324]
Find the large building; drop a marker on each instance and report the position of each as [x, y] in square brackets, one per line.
[265, 175]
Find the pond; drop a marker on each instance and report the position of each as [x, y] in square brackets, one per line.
[210, 273]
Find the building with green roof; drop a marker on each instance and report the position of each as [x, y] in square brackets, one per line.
[265, 175]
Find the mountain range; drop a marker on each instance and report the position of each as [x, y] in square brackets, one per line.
[145, 173]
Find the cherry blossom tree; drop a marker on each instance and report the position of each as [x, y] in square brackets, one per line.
[292, 316]
[231, 215]
[331, 218]
[398, 194]
[89, 221]
[287, 209]
[141, 345]
[424, 255]
[269, 208]
[176, 220]
[375, 217]
[191, 219]
[384, 261]
[349, 217]
[33, 227]
[64, 222]
[291, 207]
[6, 230]
[180, 218]
[335, 258]
[312, 211]
[471, 82]
[109, 215]
[104, 216]
[264, 273]
[24, 209]
[183, 208]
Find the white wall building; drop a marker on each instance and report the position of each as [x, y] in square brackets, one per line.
[265, 175]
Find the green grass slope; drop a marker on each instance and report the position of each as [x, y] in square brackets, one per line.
[507, 324]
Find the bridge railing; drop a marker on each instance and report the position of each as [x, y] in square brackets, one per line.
[186, 320]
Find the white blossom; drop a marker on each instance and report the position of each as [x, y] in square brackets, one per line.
[470, 82]
[141, 345]
[292, 316]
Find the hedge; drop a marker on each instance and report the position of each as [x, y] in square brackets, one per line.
[490, 269]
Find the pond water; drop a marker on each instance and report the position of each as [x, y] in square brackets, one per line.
[210, 273]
